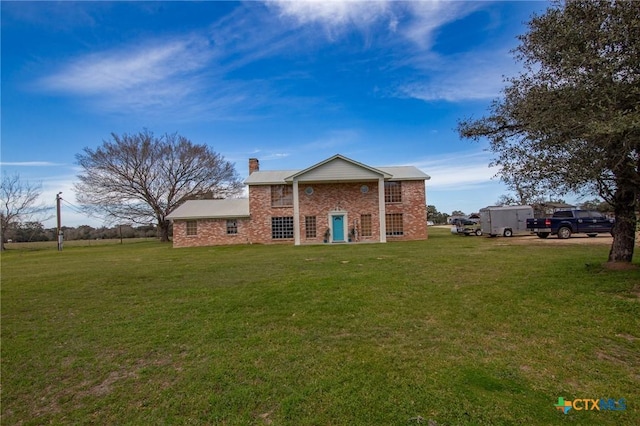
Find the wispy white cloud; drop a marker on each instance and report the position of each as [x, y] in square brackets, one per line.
[185, 75]
[458, 171]
[153, 74]
[60, 16]
[193, 76]
[426, 17]
[339, 138]
[336, 16]
[121, 70]
[416, 21]
[412, 28]
[471, 76]
[276, 156]
[29, 164]
[266, 156]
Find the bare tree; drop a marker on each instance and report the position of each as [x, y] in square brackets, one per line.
[140, 178]
[19, 203]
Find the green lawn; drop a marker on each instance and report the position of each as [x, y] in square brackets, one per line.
[453, 330]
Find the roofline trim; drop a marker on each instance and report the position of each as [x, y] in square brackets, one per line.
[209, 217]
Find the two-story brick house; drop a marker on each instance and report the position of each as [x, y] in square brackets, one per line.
[338, 200]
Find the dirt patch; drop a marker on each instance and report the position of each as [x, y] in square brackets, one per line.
[578, 239]
[106, 386]
[627, 337]
[611, 358]
[620, 266]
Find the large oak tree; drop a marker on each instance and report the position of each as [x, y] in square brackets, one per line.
[140, 178]
[570, 122]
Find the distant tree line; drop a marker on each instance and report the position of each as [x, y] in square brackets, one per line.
[35, 231]
[435, 216]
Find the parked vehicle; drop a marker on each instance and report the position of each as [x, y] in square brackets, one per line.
[466, 227]
[564, 223]
[505, 220]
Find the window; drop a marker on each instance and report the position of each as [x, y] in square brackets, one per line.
[232, 227]
[393, 223]
[392, 192]
[281, 195]
[563, 213]
[310, 226]
[281, 227]
[192, 227]
[365, 225]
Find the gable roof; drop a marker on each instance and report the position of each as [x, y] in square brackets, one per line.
[337, 168]
[211, 209]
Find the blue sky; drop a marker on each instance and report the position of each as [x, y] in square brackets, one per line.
[290, 83]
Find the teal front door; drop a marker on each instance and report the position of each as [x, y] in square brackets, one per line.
[338, 228]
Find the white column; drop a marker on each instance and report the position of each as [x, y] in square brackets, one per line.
[382, 211]
[296, 214]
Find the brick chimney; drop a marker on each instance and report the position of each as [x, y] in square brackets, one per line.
[254, 165]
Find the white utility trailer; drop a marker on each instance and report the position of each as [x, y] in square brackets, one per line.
[505, 220]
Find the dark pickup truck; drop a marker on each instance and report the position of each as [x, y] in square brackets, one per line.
[566, 222]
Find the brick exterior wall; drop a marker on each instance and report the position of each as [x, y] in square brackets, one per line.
[414, 212]
[261, 214]
[211, 232]
[343, 197]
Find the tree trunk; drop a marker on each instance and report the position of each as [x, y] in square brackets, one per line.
[163, 230]
[624, 230]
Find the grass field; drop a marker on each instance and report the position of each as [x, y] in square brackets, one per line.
[449, 331]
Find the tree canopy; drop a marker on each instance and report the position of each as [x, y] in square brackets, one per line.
[435, 216]
[19, 203]
[140, 178]
[570, 122]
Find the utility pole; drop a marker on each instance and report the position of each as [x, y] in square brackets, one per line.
[60, 236]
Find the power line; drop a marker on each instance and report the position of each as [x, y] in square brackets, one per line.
[78, 210]
[72, 207]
